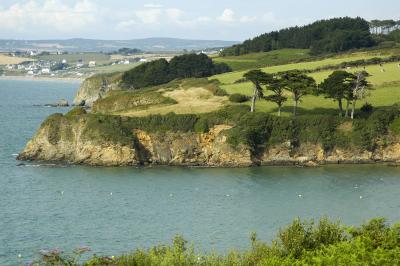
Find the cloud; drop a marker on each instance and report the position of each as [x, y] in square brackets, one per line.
[247, 19]
[126, 25]
[48, 14]
[149, 16]
[203, 19]
[228, 15]
[269, 17]
[153, 6]
[174, 14]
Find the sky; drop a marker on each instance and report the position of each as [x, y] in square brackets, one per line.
[235, 20]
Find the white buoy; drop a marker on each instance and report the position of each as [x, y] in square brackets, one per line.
[62, 192]
[110, 193]
[300, 196]
[228, 195]
[171, 195]
[361, 197]
[19, 256]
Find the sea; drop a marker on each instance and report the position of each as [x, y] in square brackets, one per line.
[46, 206]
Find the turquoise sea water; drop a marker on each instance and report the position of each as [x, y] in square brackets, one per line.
[115, 210]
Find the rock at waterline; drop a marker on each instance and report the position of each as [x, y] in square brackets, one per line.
[60, 103]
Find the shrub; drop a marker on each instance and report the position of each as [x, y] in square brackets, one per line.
[395, 126]
[301, 243]
[76, 111]
[367, 108]
[238, 98]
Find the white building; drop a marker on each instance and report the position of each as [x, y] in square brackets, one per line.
[92, 63]
[33, 53]
[64, 61]
[143, 60]
[46, 71]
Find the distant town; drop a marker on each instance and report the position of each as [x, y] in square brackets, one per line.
[63, 64]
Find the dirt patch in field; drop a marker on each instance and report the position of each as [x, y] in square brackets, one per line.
[189, 101]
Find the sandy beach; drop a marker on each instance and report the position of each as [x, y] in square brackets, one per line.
[30, 78]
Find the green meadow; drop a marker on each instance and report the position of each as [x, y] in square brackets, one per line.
[385, 92]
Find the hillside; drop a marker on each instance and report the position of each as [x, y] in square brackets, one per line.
[324, 36]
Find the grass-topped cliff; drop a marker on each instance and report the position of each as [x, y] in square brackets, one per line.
[300, 243]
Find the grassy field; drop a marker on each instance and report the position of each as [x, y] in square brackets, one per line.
[257, 60]
[386, 84]
[100, 58]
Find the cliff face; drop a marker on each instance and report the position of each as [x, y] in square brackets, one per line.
[72, 140]
[62, 139]
[94, 88]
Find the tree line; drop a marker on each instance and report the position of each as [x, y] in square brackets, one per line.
[333, 35]
[161, 71]
[384, 26]
[341, 86]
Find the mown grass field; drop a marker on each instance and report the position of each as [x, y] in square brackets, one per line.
[255, 60]
[100, 58]
[386, 84]
[6, 59]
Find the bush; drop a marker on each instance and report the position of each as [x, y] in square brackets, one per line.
[77, 111]
[395, 126]
[367, 108]
[238, 98]
[301, 243]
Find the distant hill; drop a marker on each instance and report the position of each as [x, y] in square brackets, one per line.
[89, 45]
[324, 36]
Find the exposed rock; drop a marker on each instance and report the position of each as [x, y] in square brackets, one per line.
[60, 103]
[65, 141]
[74, 138]
[94, 88]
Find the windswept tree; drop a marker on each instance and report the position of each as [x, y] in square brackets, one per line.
[360, 88]
[299, 85]
[338, 86]
[277, 96]
[258, 78]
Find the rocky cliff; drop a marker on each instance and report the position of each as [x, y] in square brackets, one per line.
[83, 139]
[72, 140]
[96, 87]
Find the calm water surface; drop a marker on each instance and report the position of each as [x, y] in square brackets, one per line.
[117, 210]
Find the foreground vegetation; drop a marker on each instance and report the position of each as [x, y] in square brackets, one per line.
[301, 243]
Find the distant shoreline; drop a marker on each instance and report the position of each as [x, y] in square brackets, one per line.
[41, 78]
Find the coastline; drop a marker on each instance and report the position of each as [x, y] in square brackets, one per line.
[53, 79]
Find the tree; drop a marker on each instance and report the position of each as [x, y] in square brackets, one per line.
[258, 78]
[337, 34]
[298, 84]
[338, 86]
[360, 87]
[277, 89]
[161, 71]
